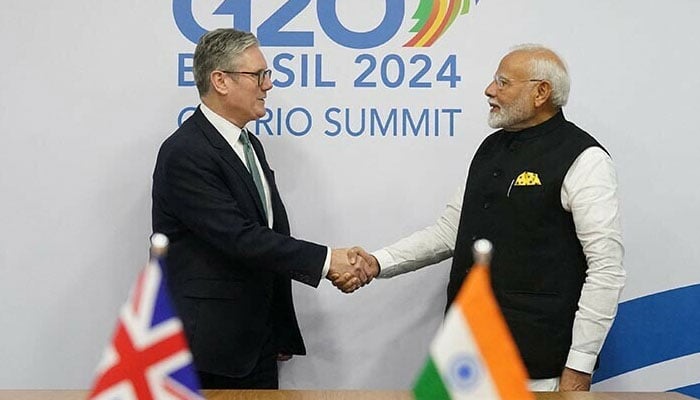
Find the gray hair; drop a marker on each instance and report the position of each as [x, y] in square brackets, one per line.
[551, 69]
[219, 49]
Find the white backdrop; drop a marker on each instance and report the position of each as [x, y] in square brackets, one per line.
[89, 89]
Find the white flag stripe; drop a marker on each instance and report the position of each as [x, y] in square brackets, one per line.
[663, 376]
[455, 339]
[156, 372]
[141, 321]
[109, 358]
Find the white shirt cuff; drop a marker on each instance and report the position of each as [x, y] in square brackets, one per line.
[581, 362]
[385, 261]
[326, 264]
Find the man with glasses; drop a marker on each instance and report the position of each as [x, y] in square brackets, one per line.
[231, 258]
[545, 193]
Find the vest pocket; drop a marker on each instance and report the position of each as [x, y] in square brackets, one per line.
[527, 203]
[533, 193]
[530, 302]
[530, 293]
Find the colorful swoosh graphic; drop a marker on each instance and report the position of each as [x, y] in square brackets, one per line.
[433, 18]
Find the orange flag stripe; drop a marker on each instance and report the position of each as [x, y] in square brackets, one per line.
[490, 331]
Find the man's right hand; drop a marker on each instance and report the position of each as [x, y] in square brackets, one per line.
[348, 275]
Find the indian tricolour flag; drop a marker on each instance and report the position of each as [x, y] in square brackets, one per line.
[473, 355]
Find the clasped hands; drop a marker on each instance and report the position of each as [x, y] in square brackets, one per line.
[352, 268]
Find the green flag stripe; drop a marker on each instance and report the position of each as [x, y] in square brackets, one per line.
[430, 385]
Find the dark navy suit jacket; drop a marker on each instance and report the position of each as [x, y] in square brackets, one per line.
[228, 273]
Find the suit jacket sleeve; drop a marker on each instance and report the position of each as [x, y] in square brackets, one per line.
[201, 191]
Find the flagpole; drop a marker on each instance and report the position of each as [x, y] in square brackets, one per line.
[159, 245]
[482, 250]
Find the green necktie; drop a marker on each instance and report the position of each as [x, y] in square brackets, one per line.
[253, 168]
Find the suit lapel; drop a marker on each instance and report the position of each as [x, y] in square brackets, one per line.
[226, 152]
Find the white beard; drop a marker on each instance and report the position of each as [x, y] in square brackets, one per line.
[510, 115]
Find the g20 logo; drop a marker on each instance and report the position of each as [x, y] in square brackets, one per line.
[433, 18]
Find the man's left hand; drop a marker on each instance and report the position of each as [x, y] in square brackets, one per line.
[572, 380]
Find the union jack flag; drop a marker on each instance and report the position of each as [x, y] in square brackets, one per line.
[148, 357]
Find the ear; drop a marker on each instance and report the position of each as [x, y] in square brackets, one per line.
[543, 92]
[218, 82]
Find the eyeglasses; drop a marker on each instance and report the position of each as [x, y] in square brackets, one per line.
[261, 75]
[502, 82]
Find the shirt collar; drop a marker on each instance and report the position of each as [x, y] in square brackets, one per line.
[228, 130]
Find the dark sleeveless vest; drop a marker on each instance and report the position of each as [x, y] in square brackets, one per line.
[513, 198]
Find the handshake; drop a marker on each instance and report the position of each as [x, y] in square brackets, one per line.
[352, 268]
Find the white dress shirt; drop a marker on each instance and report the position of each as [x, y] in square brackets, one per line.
[232, 134]
[589, 192]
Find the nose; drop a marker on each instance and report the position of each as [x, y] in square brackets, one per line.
[267, 84]
[491, 89]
